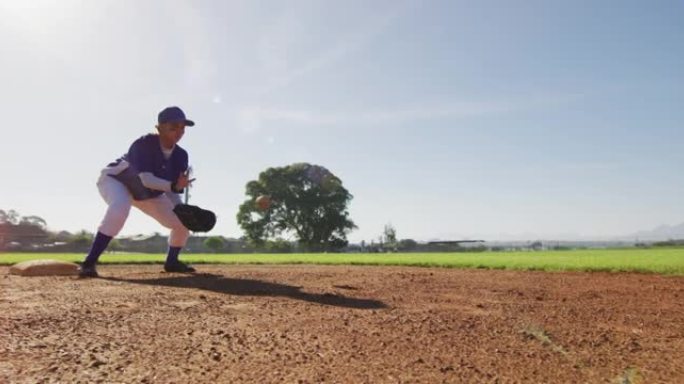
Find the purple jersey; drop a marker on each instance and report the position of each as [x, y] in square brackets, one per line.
[145, 155]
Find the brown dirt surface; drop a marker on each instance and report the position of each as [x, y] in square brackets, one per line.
[341, 324]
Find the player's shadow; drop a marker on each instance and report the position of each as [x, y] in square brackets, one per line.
[249, 287]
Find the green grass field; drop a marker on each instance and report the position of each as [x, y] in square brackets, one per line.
[665, 261]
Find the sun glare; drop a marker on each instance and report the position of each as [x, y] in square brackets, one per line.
[35, 15]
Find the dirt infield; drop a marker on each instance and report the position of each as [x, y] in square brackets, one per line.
[311, 324]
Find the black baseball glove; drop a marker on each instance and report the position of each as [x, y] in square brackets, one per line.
[195, 218]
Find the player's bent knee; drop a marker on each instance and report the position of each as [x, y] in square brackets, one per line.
[182, 231]
[179, 228]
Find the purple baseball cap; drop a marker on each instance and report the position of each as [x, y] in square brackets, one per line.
[173, 115]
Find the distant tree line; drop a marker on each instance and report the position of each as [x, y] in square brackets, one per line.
[669, 243]
[30, 234]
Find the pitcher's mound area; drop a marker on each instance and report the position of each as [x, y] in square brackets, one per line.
[313, 324]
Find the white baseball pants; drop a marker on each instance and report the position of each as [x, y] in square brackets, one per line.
[120, 201]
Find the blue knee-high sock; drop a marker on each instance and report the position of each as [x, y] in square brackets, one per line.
[172, 256]
[99, 245]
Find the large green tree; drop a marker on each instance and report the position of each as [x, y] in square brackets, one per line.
[308, 203]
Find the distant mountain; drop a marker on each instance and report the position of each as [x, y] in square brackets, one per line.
[661, 233]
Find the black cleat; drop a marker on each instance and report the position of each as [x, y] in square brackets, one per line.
[87, 271]
[178, 267]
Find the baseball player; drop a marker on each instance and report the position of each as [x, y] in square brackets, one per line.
[150, 177]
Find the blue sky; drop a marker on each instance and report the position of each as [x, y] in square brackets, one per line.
[448, 119]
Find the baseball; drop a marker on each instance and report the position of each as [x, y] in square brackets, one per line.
[263, 202]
